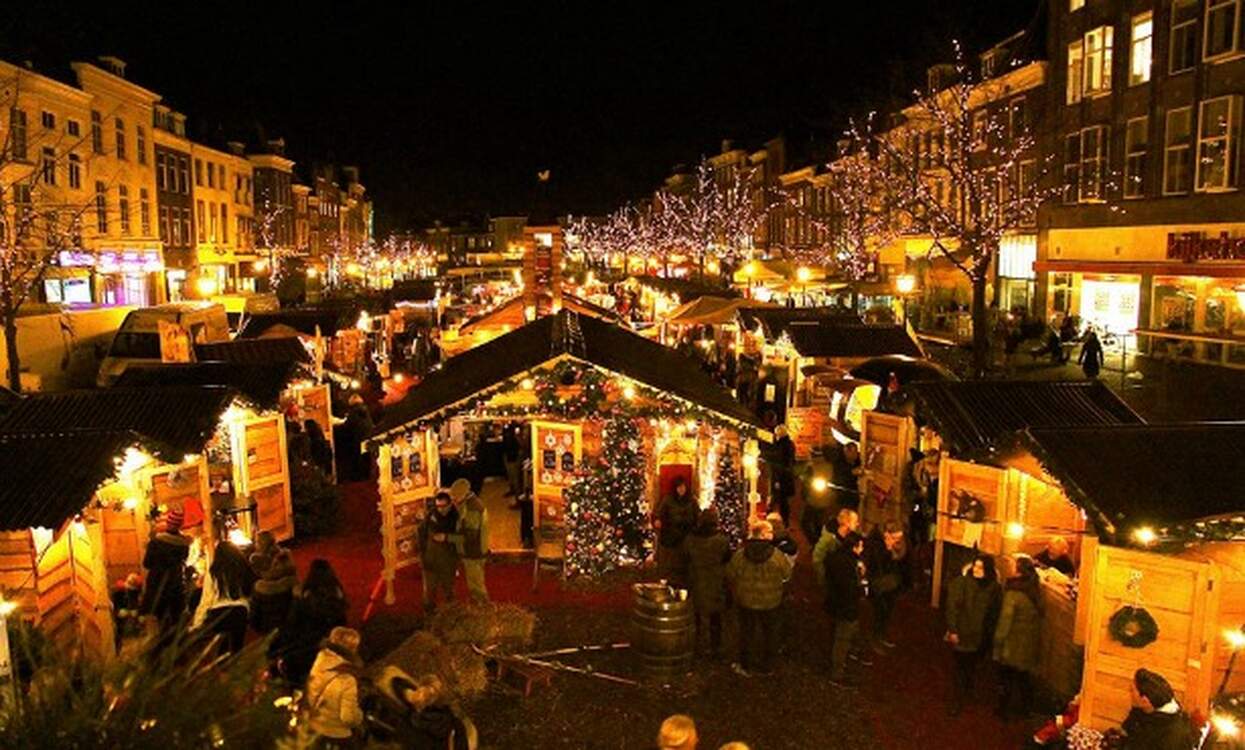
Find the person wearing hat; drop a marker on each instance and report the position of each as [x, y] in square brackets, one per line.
[470, 537]
[1156, 721]
[333, 707]
[164, 592]
[438, 554]
[419, 714]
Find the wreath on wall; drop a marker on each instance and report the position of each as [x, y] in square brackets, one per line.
[1133, 627]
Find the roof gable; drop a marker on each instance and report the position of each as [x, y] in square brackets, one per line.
[260, 384]
[49, 478]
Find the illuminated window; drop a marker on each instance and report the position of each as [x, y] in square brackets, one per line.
[1094, 143]
[1223, 28]
[1182, 50]
[1076, 68]
[1097, 79]
[1136, 143]
[1177, 151]
[1218, 131]
[1140, 54]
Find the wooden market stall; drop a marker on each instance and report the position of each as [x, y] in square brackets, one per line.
[1166, 579]
[562, 375]
[74, 518]
[512, 314]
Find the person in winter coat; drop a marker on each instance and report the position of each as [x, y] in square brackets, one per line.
[321, 449]
[674, 518]
[972, 608]
[274, 591]
[438, 554]
[470, 537]
[782, 470]
[708, 551]
[847, 520]
[1091, 358]
[334, 713]
[884, 563]
[164, 588]
[1155, 721]
[224, 608]
[1017, 638]
[757, 573]
[318, 607]
[844, 591]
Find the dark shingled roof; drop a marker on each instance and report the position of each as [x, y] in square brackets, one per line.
[254, 351]
[605, 345]
[261, 384]
[973, 416]
[1146, 475]
[49, 478]
[330, 321]
[687, 289]
[774, 321]
[175, 420]
[829, 339]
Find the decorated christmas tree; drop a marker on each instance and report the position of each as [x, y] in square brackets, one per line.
[728, 498]
[606, 513]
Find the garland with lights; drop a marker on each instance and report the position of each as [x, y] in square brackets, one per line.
[607, 517]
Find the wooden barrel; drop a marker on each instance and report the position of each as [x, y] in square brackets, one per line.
[663, 631]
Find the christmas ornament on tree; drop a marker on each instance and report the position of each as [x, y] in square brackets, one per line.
[607, 523]
[728, 498]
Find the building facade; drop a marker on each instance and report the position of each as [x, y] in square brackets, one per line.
[273, 178]
[1149, 232]
[222, 203]
[174, 205]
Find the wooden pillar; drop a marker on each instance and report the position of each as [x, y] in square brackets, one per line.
[388, 547]
[940, 527]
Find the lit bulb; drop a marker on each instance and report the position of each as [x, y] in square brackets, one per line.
[1235, 637]
[1225, 726]
[312, 273]
[1145, 535]
[130, 503]
[1015, 530]
[398, 377]
[528, 384]
[355, 384]
[238, 538]
[7, 607]
[205, 286]
[629, 392]
[820, 484]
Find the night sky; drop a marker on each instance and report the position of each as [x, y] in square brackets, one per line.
[452, 107]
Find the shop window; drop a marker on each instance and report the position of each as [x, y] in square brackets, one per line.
[1223, 29]
[1178, 152]
[1140, 49]
[1061, 292]
[1136, 145]
[67, 291]
[1175, 300]
[1218, 131]
[1098, 60]
[1182, 49]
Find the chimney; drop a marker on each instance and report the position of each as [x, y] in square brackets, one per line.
[114, 65]
[276, 146]
[727, 145]
[237, 148]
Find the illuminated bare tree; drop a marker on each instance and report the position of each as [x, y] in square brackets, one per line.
[861, 219]
[717, 216]
[40, 212]
[964, 173]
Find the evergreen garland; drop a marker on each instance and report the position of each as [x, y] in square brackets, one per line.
[728, 498]
[606, 513]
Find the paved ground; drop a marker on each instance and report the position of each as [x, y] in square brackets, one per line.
[902, 703]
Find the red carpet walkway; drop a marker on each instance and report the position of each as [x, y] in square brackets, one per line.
[903, 702]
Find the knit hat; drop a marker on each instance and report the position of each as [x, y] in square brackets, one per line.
[173, 520]
[459, 489]
[345, 638]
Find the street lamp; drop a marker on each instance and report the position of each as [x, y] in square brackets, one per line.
[905, 284]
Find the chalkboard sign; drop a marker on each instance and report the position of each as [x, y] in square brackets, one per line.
[568, 461]
[395, 464]
[549, 459]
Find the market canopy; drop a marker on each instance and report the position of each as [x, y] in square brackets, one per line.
[50, 477]
[566, 335]
[973, 416]
[706, 310]
[177, 420]
[1129, 476]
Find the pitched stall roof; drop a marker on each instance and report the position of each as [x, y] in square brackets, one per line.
[304, 322]
[1141, 475]
[972, 417]
[176, 420]
[261, 384]
[687, 289]
[568, 300]
[774, 321]
[49, 478]
[254, 351]
[605, 345]
[831, 339]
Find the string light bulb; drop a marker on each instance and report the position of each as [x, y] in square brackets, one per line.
[1225, 726]
[1145, 535]
[1015, 530]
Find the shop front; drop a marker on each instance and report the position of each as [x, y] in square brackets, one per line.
[107, 277]
[1171, 292]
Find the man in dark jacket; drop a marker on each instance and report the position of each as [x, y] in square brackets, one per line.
[973, 601]
[707, 554]
[164, 591]
[438, 554]
[757, 573]
[782, 469]
[884, 553]
[674, 519]
[1155, 721]
[844, 590]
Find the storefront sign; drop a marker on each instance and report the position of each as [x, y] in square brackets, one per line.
[1194, 246]
[109, 261]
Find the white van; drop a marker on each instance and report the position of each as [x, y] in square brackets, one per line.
[138, 338]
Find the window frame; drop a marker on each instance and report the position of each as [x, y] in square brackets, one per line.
[1169, 148]
[1229, 139]
[74, 172]
[19, 134]
[144, 211]
[123, 208]
[101, 207]
[1135, 176]
[140, 143]
[1099, 163]
[1178, 31]
[1104, 57]
[1071, 168]
[1134, 42]
[1235, 50]
[47, 165]
[1075, 71]
[47, 120]
[119, 128]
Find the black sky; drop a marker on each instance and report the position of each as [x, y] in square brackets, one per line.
[453, 106]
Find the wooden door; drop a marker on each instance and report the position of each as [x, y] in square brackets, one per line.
[1182, 597]
[74, 606]
[262, 473]
[885, 440]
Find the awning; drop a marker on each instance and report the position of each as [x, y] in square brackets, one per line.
[705, 311]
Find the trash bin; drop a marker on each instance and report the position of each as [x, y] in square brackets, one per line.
[663, 628]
